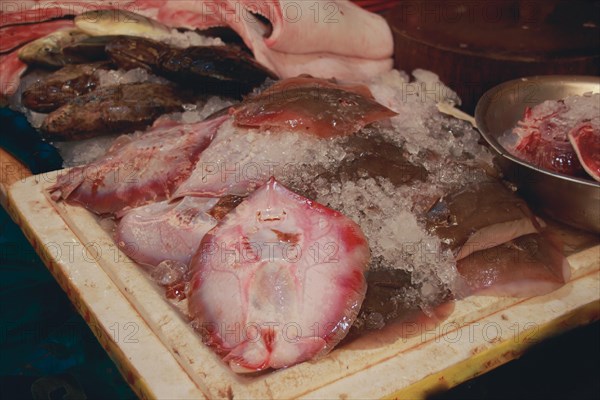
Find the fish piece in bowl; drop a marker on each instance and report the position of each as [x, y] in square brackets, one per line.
[559, 103]
[541, 137]
[585, 139]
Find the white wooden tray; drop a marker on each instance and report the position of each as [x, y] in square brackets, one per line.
[162, 357]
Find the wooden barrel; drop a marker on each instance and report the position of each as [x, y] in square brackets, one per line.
[475, 45]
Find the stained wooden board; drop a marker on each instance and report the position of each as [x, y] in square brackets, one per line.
[11, 171]
[481, 332]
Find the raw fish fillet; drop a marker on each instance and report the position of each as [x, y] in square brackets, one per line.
[479, 217]
[137, 171]
[278, 281]
[165, 230]
[585, 139]
[531, 265]
[311, 105]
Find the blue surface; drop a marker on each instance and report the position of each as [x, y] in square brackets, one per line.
[45, 346]
[46, 349]
[24, 142]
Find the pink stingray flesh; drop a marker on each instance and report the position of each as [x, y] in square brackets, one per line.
[137, 171]
[278, 281]
[165, 230]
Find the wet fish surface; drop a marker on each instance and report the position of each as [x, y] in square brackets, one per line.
[224, 70]
[118, 108]
[62, 86]
[542, 136]
[268, 291]
[315, 106]
[48, 50]
[585, 139]
[137, 171]
[415, 185]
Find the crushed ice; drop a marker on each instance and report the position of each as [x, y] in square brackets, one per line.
[389, 215]
[169, 272]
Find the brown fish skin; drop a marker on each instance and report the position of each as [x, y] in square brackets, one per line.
[223, 70]
[379, 158]
[88, 50]
[368, 154]
[311, 105]
[392, 297]
[214, 69]
[130, 52]
[531, 265]
[112, 109]
[480, 216]
[62, 86]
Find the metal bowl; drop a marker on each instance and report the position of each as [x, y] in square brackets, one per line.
[574, 201]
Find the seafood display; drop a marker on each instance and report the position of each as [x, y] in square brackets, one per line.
[585, 139]
[561, 136]
[479, 217]
[120, 22]
[311, 105]
[15, 36]
[48, 50]
[212, 69]
[328, 39]
[119, 108]
[80, 105]
[133, 172]
[296, 212]
[530, 265]
[62, 86]
[166, 231]
[372, 222]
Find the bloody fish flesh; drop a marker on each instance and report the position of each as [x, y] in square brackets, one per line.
[543, 136]
[137, 171]
[585, 139]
